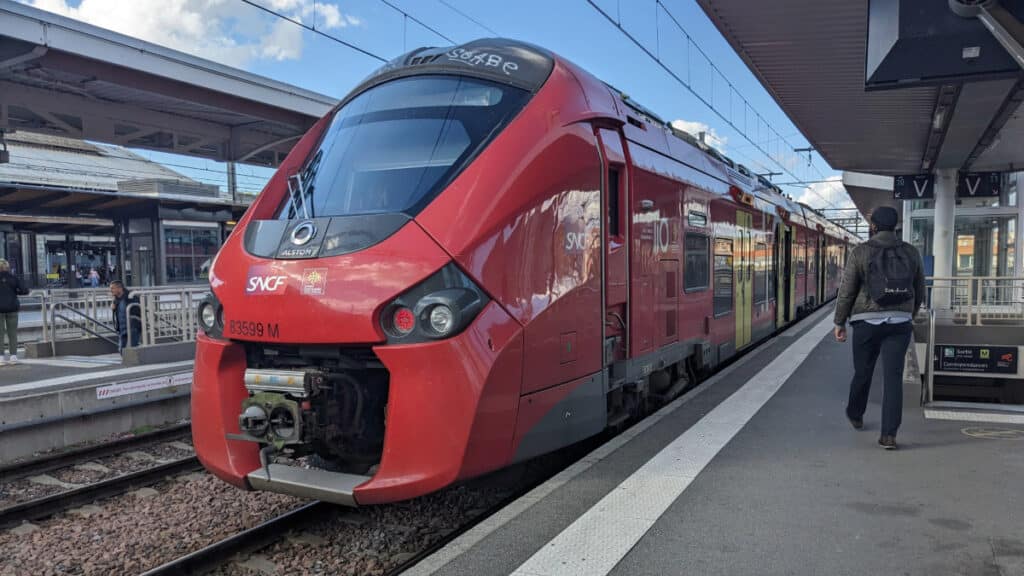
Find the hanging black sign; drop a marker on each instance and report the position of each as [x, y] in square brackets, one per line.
[913, 187]
[978, 184]
[984, 359]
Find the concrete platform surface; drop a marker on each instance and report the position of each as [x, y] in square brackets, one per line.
[757, 471]
[34, 376]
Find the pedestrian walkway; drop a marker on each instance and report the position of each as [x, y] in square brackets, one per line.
[33, 376]
[757, 471]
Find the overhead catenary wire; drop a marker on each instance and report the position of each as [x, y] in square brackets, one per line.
[312, 29]
[418, 21]
[710, 105]
[468, 17]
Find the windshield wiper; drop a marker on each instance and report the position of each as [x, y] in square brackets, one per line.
[301, 193]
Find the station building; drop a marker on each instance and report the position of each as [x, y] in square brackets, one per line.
[68, 206]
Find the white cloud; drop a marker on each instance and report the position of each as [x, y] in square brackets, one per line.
[827, 194]
[711, 137]
[216, 29]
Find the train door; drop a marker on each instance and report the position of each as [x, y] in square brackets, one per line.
[616, 246]
[786, 287]
[743, 282]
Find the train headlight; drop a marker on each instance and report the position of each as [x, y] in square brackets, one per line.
[211, 316]
[207, 316]
[442, 320]
[439, 307]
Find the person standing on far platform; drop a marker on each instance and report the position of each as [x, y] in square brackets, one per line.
[127, 318]
[882, 288]
[10, 289]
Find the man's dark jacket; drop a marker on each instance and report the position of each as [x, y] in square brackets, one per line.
[121, 312]
[855, 303]
[10, 289]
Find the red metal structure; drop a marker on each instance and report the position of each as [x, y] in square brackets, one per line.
[481, 255]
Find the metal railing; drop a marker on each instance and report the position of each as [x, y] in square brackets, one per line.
[166, 314]
[977, 300]
[169, 315]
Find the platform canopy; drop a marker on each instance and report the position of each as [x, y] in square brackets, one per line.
[61, 76]
[810, 56]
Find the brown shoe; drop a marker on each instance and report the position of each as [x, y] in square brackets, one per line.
[857, 423]
[887, 442]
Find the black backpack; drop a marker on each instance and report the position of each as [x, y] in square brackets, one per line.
[890, 275]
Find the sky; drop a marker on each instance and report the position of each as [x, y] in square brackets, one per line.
[241, 34]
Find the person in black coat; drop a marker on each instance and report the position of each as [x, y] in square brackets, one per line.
[10, 289]
[128, 322]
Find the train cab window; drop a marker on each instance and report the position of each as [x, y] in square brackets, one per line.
[614, 214]
[723, 276]
[760, 272]
[697, 269]
[395, 146]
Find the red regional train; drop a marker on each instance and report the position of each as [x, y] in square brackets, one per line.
[481, 255]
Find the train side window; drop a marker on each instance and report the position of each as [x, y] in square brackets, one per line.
[760, 273]
[697, 268]
[800, 259]
[614, 215]
[723, 276]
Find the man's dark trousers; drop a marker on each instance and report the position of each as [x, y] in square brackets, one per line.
[891, 340]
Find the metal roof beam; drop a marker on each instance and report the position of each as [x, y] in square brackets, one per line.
[945, 104]
[1010, 104]
[107, 71]
[48, 101]
[11, 60]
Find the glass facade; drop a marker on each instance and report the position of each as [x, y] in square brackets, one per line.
[985, 245]
[985, 231]
[188, 253]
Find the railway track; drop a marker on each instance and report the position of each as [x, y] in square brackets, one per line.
[218, 554]
[13, 474]
[45, 506]
[50, 462]
[211, 557]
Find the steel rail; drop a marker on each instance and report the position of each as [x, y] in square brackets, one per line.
[217, 554]
[57, 460]
[55, 503]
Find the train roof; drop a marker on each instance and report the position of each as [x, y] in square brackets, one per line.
[737, 174]
[511, 62]
[527, 66]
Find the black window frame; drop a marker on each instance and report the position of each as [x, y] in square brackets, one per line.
[762, 261]
[687, 289]
[614, 206]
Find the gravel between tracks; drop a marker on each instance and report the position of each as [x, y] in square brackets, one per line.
[371, 541]
[129, 534]
[23, 489]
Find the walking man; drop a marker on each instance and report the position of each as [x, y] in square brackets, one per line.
[882, 288]
[10, 289]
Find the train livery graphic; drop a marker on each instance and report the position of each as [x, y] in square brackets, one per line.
[481, 255]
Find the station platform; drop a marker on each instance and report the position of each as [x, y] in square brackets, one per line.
[758, 471]
[53, 403]
[34, 375]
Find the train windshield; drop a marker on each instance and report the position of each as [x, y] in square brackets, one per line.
[395, 146]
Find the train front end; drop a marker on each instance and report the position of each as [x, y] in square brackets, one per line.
[344, 354]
